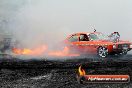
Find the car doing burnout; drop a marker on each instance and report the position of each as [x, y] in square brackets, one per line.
[98, 43]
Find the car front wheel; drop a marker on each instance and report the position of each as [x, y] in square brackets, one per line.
[102, 52]
[124, 52]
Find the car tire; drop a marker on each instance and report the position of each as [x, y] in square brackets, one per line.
[124, 52]
[102, 52]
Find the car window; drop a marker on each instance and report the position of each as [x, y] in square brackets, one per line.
[93, 37]
[73, 38]
[84, 37]
[98, 36]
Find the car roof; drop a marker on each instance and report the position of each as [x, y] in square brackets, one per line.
[82, 33]
[85, 33]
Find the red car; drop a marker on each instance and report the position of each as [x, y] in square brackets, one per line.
[97, 43]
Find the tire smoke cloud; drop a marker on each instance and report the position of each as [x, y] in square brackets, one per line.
[34, 23]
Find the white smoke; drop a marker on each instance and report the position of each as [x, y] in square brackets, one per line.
[32, 27]
[35, 22]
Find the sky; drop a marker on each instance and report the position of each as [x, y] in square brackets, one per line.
[48, 21]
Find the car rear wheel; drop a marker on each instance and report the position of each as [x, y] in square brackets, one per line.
[102, 52]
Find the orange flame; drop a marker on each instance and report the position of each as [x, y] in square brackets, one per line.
[41, 50]
[81, 71]
[64, 52]
[36, 51]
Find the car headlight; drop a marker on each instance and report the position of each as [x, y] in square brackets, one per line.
[114, 47]
[131, 46]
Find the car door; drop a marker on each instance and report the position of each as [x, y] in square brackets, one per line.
[93, 42]
[84, 44]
